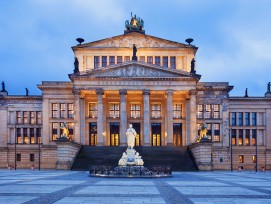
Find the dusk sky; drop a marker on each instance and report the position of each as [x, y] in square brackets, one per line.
[233, 36]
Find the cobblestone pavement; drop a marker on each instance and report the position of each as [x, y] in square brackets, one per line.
[61, 187]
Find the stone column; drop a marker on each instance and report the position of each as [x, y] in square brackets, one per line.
[146, 124]
[169, 114]
[46, 126]
[123, 116]
[82, 120]
[100, 117]
[191, 122]
[77, 126]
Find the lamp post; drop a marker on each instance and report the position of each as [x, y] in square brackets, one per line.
[39, 151]
[256, 137]
[231, 147]
[15, 148]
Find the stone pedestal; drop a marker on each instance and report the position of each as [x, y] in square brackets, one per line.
[202, 153]
[66, 153]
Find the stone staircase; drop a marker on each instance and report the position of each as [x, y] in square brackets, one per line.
[179, 158]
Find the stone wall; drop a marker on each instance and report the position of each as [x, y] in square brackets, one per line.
[202, 154]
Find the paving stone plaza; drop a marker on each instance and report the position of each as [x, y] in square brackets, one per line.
[26, 186]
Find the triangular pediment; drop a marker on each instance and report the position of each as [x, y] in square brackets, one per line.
[139, 39]
[135, 70]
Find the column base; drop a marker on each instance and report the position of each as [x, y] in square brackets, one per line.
[170, 145]
[146, 144]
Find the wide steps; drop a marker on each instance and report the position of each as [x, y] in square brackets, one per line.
[178, 158]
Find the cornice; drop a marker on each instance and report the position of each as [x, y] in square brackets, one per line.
[239, 98]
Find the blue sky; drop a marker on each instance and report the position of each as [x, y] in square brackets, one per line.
[233, 36]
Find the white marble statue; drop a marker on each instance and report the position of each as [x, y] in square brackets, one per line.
[123, 160]
[131, 135]
[138, 160]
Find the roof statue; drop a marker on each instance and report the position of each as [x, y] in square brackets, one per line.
[136, 24]
[26, 91]
[3, 87]
[246, 95]
[193, 71]
[134, 57]
[268, 87]
[76, 66]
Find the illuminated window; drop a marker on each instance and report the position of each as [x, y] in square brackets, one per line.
[254, 137]
[247, 140]
[70, 110]
[19, 117]
[25, 136]
[247, 119]
[127, 58]
[62, 110]
[25, 115]
[254, 119]
[38, 115]
[114, 110]
[216, 111]
[19, 135]
[93, 110]
[240, 119]
[112, 60]
[173, 62]
[208, 111]
[177, 111]
[254, 159]
[38, 134]
[96, 62]
[233, 136]
[240, 137]
[200, 110]
[135, 110]
[156, 110]
[119, 59]
[165, 61]
[104, 61]
[54, 110]
[32, 136]
[216, 132]
[150, 59]
[71, 134]
[54, 131]
[142, 58]
[233, 119]
[241, 158]
[32, 117]
[157, 60]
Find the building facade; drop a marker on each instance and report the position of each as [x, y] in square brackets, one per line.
[143, 80]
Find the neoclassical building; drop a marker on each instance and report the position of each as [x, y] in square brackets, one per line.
[144, 80]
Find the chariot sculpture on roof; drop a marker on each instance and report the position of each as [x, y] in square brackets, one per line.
[135, 24]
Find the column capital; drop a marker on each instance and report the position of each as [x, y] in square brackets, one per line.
[76, 91]
[99, 91]
[169, 91]
[123, 91]
[146, 92]
[193, 92]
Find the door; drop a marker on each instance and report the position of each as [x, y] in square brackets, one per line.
[156, 134]
[136, 126]
[177, 134]
[92, 134]
[114, 134]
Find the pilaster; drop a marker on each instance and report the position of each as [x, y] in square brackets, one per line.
[100, 117]
[77, 137]
[191, 122]
[146, 128]
[169, 113]
[123, 116]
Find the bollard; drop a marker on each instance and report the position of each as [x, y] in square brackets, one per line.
[239, 168]
[263, 169]
[32, 167]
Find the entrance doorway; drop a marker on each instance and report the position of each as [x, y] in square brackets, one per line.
[177, 134]
[92, 134]
[156, 134]
[114, 134]
[136, 126]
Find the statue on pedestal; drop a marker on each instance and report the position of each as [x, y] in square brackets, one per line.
[131, 135]
[65, 131]
[203, 133]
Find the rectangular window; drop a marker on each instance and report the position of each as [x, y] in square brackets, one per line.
[157, 60]
[25, 136]
[241, 158]
[177, 111]
[209, 130]
[119, 59]
[112, 60]
[135, 110]
[142, 58]
[216, 111]
[19, 135]
[233, 136]
[233, 119]
[71, 134]
[19, 117]
[25, 115]
[114, 110]
[38, 134]
[208, 111]
[54, 110]
[62, 110]
[216, 132]
[92, 110]
[54, 131]
[165, 61]
[32, 136]
[104, 61]
[96, 62]
[247, 119]
[173, 62]
[127, 58]
[240, 137]
[254, 159]
[31, 157]
[150, 59]
[200, 110]
[32, 117]
[18, 157]
[247, 135]
[70, 110]
[156, 110]
[254, 119]
[254, 137]
[240, 119]
[38, 119]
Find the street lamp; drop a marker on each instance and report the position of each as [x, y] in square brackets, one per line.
[15, 150]
[256, 143]
[230, 130]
